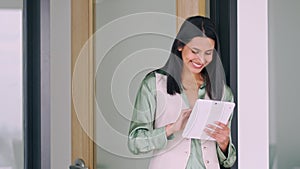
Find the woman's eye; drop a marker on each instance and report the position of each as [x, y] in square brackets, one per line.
[208, 53]
[195, 52]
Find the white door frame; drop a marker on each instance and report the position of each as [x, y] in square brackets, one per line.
[253, 85]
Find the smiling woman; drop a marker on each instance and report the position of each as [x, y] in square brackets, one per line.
[11, 126]
[167, 95]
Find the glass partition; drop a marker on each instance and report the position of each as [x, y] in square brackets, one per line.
[132, 38]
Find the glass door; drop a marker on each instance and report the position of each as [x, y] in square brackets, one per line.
[133, 37]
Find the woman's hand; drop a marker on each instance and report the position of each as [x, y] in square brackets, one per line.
[180, 122]
[220, 132]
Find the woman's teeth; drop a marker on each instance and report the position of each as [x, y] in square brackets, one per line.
[196, 65]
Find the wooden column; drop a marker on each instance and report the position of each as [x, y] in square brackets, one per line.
[82, 115]
[189, 8]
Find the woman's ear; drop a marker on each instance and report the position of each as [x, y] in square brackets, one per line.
[179, 49]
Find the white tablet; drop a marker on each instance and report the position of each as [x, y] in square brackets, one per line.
[206, 112]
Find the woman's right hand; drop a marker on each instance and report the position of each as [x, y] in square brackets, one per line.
[180, 122]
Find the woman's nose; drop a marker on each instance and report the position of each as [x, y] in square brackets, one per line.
[201, 57]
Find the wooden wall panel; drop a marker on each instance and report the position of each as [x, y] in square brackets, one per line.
[189, 8]
[82, 82]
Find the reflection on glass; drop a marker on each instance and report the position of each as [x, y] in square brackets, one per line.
[132, 38]
[11, 126]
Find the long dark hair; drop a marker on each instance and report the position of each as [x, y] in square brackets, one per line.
[195, 26]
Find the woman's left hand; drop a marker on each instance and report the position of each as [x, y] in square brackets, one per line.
[220, 132]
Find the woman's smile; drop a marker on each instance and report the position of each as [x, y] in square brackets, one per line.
[196, 65]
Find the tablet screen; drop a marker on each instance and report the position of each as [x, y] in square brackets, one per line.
[206, 112]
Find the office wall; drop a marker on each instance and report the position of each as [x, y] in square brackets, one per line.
[60, 45]
[11, 4]
[284, 71]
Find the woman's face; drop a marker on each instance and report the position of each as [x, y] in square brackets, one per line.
[197, 54]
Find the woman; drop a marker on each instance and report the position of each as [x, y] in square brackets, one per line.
[167, 96]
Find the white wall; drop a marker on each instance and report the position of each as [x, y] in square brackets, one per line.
[253, 84]
[60, 29]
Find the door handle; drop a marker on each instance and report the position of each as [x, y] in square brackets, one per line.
[78, 164]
